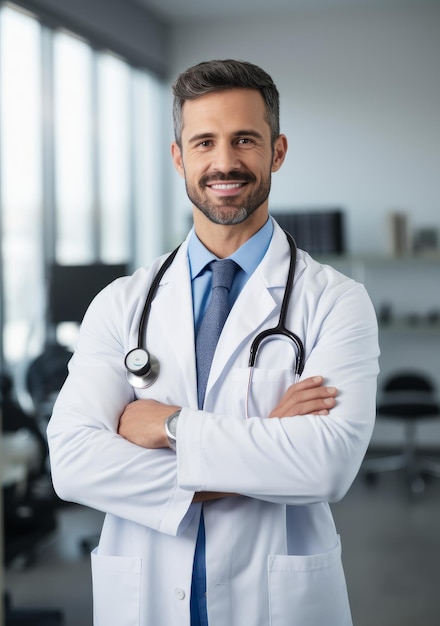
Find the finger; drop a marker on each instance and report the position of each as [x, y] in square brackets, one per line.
[305, 389]
[308, 383]
[297, 402]
[304, 395]
[311, 383]
[311, 405]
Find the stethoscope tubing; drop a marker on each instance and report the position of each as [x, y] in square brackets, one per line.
[150, 297]
[280, 330]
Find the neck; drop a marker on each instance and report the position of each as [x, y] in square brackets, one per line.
[225, 240]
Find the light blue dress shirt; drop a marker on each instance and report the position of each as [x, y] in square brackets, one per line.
[247, 257]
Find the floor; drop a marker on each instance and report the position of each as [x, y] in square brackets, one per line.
[59, 577]
[391, 552]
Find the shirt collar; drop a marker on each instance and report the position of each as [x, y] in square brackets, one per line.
[248, 256]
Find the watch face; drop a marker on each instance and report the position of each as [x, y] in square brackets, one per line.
[172, 425]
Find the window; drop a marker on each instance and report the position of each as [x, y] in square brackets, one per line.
[21, 176]
[114, 119]
[97, 118]
[73, 149]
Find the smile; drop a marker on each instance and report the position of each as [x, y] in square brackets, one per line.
[223, 186]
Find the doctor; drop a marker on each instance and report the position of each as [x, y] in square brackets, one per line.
[212, 517]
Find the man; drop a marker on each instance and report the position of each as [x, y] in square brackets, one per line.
[217, 498]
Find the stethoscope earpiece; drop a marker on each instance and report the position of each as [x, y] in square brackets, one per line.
[142, 369]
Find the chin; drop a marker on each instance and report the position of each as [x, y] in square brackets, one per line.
[227, 217]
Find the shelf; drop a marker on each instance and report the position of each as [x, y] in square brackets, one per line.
[354, 259]
[402, 326]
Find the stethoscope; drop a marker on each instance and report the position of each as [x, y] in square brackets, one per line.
[142, 368]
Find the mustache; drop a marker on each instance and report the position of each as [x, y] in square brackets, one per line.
[234, 175]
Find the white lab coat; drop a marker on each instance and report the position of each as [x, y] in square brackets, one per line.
[273, 555]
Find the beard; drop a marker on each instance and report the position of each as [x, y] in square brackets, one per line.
[228, 210]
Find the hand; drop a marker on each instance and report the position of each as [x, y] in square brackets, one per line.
[309, 396]
[143, 423]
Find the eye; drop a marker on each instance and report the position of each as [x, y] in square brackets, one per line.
[206, 143]
[245, 142]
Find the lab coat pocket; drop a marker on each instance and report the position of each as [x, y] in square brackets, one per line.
[116, 590]
[262, 391]
[308, 590]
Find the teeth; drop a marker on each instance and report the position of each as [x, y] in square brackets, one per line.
[226, 186]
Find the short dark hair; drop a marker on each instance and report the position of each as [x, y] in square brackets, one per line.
[211, 76]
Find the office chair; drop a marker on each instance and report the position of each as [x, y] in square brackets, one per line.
[44, 379]
[409, 397]
[17, 420]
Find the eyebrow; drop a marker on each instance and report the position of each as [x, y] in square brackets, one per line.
[237, 133]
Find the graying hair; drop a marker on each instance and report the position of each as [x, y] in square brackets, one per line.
[211, 76]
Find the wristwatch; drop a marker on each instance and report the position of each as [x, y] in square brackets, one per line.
[171, 429]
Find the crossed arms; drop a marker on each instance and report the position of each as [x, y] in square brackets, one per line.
[142, 421]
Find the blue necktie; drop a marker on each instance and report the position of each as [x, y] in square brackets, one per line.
[223, 273]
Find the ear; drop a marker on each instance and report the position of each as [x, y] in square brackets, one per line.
[279, 152]
[176, 154]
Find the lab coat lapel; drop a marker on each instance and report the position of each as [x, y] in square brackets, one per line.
[253, 307]
[175, 317]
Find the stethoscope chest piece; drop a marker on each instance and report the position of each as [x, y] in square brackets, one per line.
[142, 369]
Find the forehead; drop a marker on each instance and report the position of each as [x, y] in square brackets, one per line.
[228, 110]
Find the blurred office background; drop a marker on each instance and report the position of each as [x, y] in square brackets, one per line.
[87, 192]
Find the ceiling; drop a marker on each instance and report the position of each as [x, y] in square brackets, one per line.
[178, 10]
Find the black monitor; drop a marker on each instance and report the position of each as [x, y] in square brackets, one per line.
[72, 288]
[318, 231]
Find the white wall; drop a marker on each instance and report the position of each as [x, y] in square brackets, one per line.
[360, 94]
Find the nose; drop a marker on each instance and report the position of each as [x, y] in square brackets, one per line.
[225, 157]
